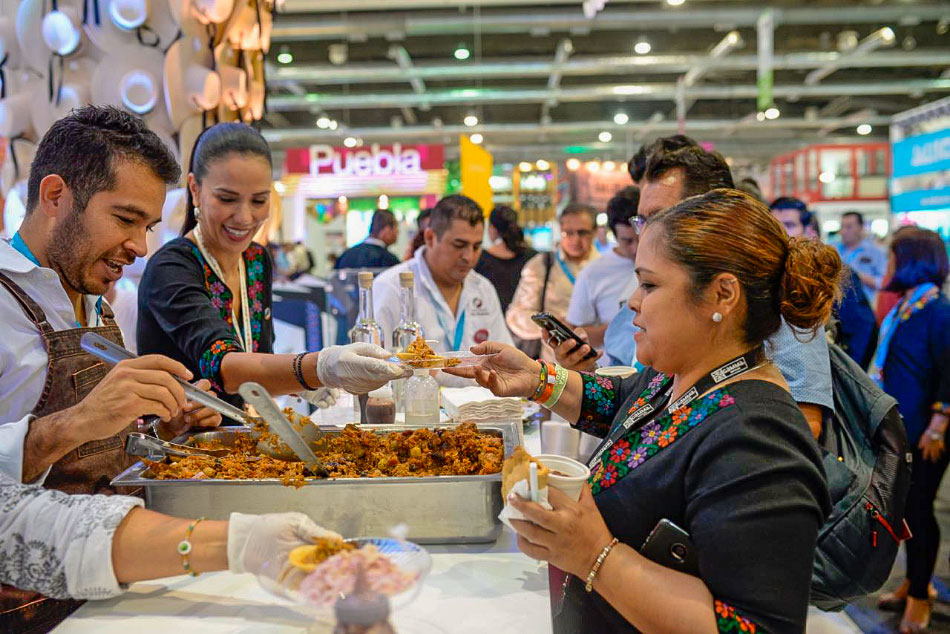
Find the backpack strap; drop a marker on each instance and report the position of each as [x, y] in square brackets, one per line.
[548, 262]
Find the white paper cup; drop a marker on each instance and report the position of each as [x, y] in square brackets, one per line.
[571, 484]
[621, 371]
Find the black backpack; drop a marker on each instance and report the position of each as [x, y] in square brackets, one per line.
[867, 464]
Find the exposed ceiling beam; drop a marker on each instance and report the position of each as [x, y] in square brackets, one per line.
[364, 25]
[564, 50]
[615, 92]
[335, 6]
[521, 67]
[587, 129]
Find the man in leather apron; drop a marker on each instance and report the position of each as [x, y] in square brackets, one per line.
[96, 186]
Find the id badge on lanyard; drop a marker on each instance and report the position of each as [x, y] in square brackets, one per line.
[648, 411]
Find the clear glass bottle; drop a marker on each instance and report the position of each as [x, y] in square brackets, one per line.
[406, 332]
[422, 399]
[365, 330]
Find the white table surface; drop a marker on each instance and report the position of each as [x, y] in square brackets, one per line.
[464, 594]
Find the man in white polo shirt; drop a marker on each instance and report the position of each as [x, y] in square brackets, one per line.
[596, 299]
[454, 305]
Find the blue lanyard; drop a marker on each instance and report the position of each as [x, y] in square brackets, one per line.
[17, 243]
[567, 271]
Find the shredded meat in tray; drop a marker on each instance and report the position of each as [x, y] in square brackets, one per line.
[354, 453]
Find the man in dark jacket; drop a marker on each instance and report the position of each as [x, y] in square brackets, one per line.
[373, 253]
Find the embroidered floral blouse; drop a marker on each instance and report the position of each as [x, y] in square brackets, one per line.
[737, 469]
[185, 309]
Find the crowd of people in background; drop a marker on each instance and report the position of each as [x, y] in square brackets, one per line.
[701, 278]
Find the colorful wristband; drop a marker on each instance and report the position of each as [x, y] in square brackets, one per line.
[560, 382]
[941, 407]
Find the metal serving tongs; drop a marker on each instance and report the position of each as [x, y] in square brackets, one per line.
[155, 449]
[260, 398]
[113, 353]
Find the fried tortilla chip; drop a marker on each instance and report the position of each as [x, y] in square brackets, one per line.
[516, 469]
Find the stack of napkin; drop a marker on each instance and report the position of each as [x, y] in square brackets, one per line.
[477, 403]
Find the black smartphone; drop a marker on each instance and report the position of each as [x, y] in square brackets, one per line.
[670, 546]
[560, 332]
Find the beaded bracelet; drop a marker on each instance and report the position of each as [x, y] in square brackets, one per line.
[546, 388]
[184, 548]
[298, 371]
[560, 382]
[542, 381]
[589, 586]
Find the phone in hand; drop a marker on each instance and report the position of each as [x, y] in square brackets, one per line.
[560, 332]
[671, 547]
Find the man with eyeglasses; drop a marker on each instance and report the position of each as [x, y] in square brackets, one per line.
[547, 280]
[673, 176]
[596, 300]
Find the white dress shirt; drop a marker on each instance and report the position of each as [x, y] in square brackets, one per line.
[596, 298]
[478, 301]
[23, 357]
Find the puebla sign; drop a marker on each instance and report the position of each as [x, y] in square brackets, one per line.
[372, 160]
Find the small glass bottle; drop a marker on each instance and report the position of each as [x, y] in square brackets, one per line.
[406, 332]
[365, 330]
[422, 399]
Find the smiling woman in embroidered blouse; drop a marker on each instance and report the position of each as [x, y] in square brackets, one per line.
[733, 462]
[205, 298]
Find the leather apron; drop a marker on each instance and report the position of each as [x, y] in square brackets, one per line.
[71, 373]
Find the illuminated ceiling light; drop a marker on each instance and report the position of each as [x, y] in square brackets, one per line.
[323, 123]
[605, 137]
[760, 116]
[350, 141]
[628, 90]
[772, 113]
[382, 202]
[675, 3]
[642, 47]
[542, 165]
[341, 200]
[333, 124]
[279, 187]
[285, 56]
[573, 164]
[462, 52]
[621, 118]
[470, 120]
[524, 166]
[476, 138]
[609, 166]
[826, 177]
[864, 129]
[592, 166]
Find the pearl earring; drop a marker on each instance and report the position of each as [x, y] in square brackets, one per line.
[717, 317]
[197, 212]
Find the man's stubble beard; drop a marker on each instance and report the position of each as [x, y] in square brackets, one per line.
[68, 252]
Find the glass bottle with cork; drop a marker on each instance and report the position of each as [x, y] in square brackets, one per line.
[365, 330]
[406, 332]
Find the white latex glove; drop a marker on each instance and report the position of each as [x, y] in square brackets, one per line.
[358, 368]
[322, 397]
[258, 540]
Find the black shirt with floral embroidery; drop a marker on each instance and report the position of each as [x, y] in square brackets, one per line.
[185, 310]
[738, 470]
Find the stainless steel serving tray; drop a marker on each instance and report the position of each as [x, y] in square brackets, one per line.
[436, 509]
